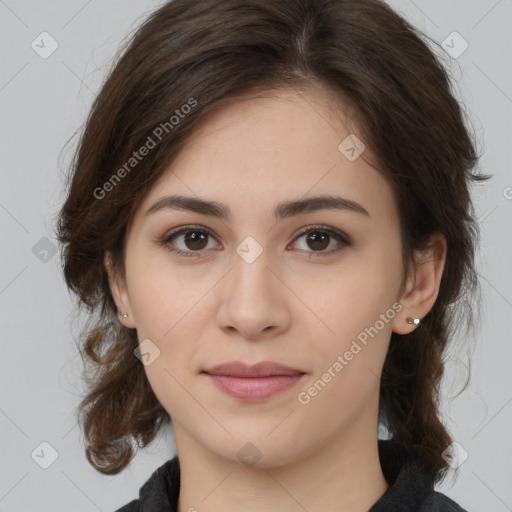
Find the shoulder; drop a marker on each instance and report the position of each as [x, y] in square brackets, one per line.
[411, 487]
[133, 506]
[438, 502]
[160, 492]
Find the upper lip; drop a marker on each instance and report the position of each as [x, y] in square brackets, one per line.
[263, 369]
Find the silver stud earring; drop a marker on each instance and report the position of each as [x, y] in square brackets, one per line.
[124, 315]
[410, 320]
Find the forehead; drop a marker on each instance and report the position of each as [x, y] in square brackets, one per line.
[259, 150]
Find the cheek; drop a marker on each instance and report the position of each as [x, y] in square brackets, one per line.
[173, 371]
[169, 307]
[357, 306]
[165, 297]
[348, 365]
[354, 295]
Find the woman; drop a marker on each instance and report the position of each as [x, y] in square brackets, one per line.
[269, 220]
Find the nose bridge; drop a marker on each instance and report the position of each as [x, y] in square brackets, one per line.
[251, 273]
[252, 302]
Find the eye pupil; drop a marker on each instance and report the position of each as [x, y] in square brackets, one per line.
[189, 238]
[318, 237]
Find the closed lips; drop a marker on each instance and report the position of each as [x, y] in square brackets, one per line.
[254, 383]
[263, 369]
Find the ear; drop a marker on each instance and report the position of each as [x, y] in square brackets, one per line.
[422, 287]
[119, 293]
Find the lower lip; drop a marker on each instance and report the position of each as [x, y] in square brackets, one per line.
[254, 389]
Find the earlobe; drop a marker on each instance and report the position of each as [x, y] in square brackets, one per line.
[119, 294]
[422, 287]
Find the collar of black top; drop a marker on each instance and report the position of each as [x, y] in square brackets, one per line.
[408, 484]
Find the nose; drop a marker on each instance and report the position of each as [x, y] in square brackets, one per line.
[254, 300]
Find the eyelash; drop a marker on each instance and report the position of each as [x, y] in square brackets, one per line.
[343, 239]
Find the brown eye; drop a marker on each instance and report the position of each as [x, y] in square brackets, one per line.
[317, 239]
[195, 240]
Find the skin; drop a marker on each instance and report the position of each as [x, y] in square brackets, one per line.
[303, 312]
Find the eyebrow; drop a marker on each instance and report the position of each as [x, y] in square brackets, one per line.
[282, 211]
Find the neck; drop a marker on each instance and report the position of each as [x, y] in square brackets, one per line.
[351, 481]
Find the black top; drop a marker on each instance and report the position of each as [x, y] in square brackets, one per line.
[410, 489]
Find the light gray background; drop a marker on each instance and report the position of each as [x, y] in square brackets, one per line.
[43, 101]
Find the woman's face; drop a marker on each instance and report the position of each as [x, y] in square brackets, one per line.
[267, 283]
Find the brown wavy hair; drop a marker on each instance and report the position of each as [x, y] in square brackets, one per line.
[208, 52]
